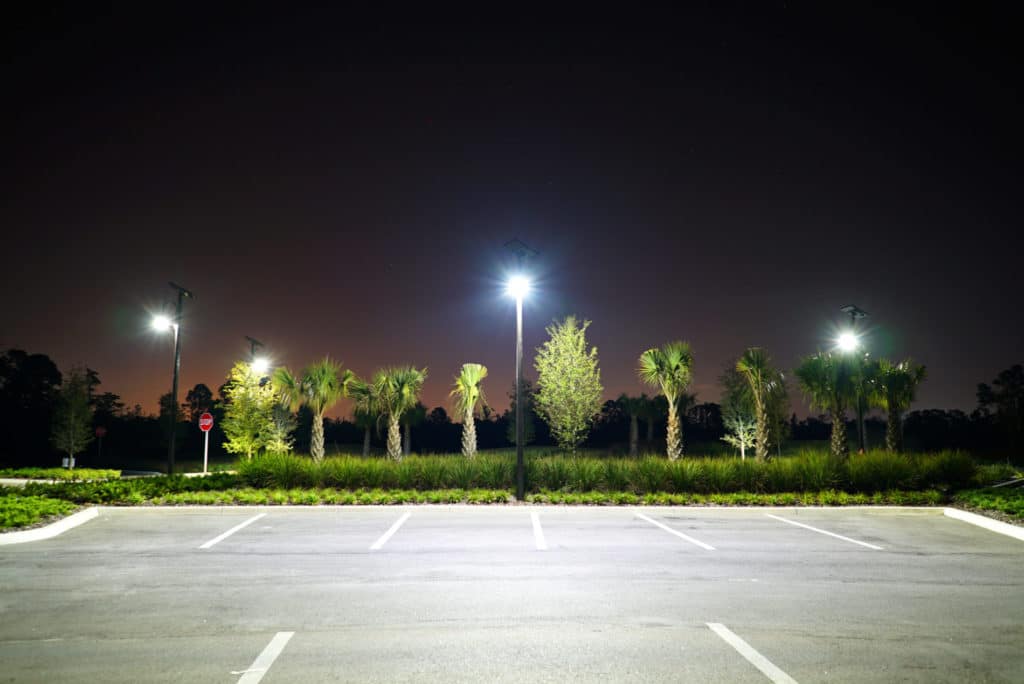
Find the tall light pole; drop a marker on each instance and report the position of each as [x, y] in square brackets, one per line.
[850, 342]
[519, 287]
[163, 323]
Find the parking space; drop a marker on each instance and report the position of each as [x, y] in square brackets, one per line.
[500, 593]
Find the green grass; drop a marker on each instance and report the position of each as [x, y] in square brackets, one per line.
[60, 473]
[1006, 501]
[18, 511]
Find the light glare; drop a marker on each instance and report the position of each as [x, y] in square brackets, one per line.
[848, 342]
[161, 323]
[518, 286]
[261, 365]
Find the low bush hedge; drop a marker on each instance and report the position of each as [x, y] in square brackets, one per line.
[875, 471]
[18, 511]
[830, 497]
[71, 474]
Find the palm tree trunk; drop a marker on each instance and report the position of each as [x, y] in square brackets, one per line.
[634, 435]
[407, 441]
[892, 431]
[761, 443]
[394, 439]
[838, 444]
[674, 438]
[366, 442]
[468, 435]
[316, 443]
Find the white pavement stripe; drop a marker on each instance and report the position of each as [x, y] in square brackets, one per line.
[766, 666]
[987, 523]
[264, 660]
[831, 534]
[230, 532]
[51, 530]
[387, 535]
[538, 533]
[679, 534]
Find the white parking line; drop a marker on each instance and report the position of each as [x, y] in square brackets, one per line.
[538, 533]
[831, 534]
[766, 666]
[230, 532]
[254, 673]
[387, 535]
[679, 534]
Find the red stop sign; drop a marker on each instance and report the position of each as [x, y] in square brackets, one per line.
[205, 422]
[100, 431]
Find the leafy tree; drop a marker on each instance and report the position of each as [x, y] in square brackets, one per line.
[742, 431]
[529, 414]
[896, 384]
[29, 384]
[106, 407]
[826, 379]
[198, 401]
[669, 369]
[568, 383]
[367, 408]
[1006, 395]
[280, 438]
[398, 390]
[320, 386]
[410, 419]
[469, 395]
[755, 367]
[632, 407]
[249, 424]
[72, 420]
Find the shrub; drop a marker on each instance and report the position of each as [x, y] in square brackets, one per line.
[70, 474]
[18, 511]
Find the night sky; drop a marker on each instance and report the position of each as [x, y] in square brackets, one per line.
[332, 184]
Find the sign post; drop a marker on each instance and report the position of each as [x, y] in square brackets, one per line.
[205, 424]
[100, 432]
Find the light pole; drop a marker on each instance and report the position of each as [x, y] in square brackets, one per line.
[163, 323]
[518, 287]
[849, 342]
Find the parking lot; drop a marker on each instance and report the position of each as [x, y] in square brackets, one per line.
[514, 593]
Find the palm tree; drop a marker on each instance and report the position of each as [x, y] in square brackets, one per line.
[398, 390]
[366, 411]
[756, 368]
[633, 407]
[895, 389]
[319, 387]
[410, 419]
[467, 393]
[826, 379]
[669, 369]
[865, 389]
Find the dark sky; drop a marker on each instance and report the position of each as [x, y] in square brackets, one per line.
[332, 184]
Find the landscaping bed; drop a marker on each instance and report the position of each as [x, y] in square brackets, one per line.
[18, 511]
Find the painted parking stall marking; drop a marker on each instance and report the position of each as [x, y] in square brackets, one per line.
[696, 542]
[767, 668]
[377, 545]
[254, 673]
[819, 531]
[236, 528]
[538, 533]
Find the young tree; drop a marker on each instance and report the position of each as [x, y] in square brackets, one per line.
[469, 395]
[249, 412]
[398, 390]
[71, 431]
[367, 409]
[755, 367]
[669, 370]
[738, 412]
[319, 388]
[896, 386]
[280, 439]
[826, 380]
[742, 431]
[568, 383]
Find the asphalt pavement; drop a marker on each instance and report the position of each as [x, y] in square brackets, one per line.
[514, 593]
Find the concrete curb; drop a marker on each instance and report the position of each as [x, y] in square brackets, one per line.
[51, 530]
[988, 523]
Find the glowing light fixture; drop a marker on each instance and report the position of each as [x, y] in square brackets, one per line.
[261, 364]
[518, 286]
[161, 323]
[848, 341]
